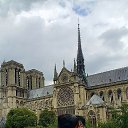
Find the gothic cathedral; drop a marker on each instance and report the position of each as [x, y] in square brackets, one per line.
[72, 92]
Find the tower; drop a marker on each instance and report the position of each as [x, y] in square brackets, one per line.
[80, 59]
[12, 90]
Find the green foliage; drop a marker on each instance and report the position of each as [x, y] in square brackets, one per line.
[122, 116]
[20, 118]
[88, 125]
[54, 125]
[35, 127]
[119, 118]
[47, 119]
[109, 124]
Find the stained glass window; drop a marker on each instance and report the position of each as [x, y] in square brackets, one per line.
[65, 97]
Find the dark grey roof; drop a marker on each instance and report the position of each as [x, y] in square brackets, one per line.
[116, 75]
[103, 78]
[45, 91]
[2, 122]
[95, 100]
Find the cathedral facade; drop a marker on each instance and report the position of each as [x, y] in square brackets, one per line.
[72, 92]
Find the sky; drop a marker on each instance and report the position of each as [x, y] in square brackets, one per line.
[42, 33]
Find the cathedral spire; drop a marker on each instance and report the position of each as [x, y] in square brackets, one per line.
[55, 74]
[79, 52]
[80, 58]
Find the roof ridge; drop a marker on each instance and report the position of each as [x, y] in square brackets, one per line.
[108, 71]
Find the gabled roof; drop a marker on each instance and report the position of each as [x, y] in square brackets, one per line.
[45, 91]
[64, 70]
[107, 77]
[95, 100]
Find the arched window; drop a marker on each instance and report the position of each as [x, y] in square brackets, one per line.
[15, 75]
[21, 103]
[127, 92]
[118, 93]
[19, 75]
[30, 82]
[27, 81]
[17, 103]
[102, 95]
[36, 82]
[6, 76]
[39, 82]
[92, 118]
[110, 95]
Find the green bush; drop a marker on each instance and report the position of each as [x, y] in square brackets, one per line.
[20, 118]
[119, 118]
[35, 127]
[47, 118]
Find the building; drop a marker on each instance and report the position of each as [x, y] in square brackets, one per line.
[72, 92]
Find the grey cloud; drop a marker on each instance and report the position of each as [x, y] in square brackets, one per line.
[37, 46]
[105, 62]
[17, 6]
[112, 38]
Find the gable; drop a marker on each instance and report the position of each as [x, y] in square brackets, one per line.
[64, 75]
[95, 100]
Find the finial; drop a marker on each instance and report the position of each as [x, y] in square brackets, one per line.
[55, 74]
[4, 61]
[63, 63]
[55, 67]
[75, 70]
[78, 24]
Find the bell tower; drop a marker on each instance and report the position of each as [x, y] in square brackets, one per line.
[12, 89]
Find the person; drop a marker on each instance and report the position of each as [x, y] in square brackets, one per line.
[67, 121]
[70, 121]
[81, 121]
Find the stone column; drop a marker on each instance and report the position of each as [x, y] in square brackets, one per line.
[21, 78]
[76, 97]
[82, 95]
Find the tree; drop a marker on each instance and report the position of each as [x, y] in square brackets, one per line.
[122, 116]
[20, 118]
[47, 118]
[108, 124]
[119, 118]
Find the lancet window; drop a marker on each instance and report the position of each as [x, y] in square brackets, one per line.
[118, 93]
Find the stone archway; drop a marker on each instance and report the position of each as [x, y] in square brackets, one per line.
[92, 118]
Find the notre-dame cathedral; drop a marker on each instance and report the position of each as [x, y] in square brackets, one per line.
[72, 92]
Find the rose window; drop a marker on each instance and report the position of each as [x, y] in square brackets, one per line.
[65, 97]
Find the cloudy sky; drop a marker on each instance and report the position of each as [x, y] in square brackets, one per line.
[40, 33]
